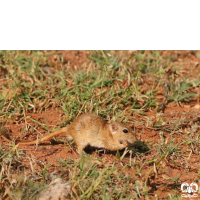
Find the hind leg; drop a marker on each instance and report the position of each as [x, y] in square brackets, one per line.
[80, 146]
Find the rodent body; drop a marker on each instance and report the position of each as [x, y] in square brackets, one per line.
[90, 129]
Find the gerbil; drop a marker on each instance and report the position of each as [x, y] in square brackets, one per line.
[90, 129]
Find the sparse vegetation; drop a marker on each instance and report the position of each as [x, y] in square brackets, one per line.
[154, 92]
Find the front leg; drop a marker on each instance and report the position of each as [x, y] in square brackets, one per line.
[115, 145]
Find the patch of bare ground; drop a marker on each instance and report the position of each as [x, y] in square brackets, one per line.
[165, 131]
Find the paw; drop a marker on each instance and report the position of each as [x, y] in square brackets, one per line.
[123, 142]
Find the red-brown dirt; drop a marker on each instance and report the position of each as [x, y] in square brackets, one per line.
[173, 112]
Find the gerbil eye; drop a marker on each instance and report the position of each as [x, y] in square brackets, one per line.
[125, 131]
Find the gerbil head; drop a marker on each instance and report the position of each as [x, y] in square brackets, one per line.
[121, 133]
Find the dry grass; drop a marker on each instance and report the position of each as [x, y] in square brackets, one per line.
[154, 92]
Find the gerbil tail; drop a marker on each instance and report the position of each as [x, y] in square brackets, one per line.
[45, 137]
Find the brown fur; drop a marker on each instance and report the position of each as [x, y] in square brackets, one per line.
[90, 129]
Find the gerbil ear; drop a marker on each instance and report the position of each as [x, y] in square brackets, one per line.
[113, 127]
